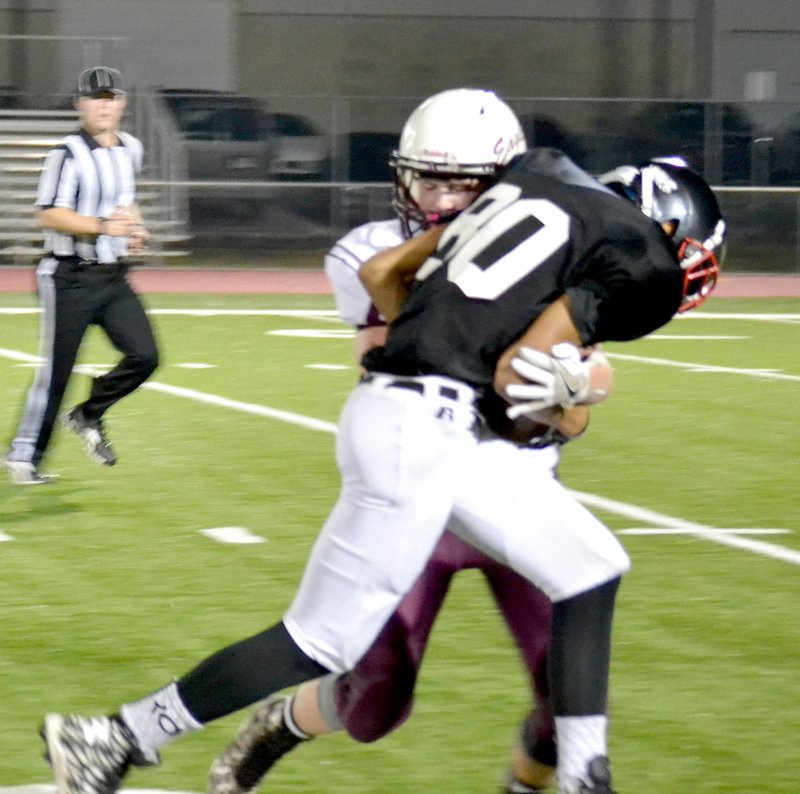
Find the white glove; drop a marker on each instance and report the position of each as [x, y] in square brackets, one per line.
[561, 378]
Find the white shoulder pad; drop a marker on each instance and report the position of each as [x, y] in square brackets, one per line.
[344, 260]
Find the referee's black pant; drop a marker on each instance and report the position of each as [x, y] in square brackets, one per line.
[74, 296]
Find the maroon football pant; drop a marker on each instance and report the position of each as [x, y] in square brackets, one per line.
[376, 697]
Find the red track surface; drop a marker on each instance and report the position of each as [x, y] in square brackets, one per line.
[297, 282]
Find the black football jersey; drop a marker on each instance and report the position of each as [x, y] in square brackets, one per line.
[545, 229]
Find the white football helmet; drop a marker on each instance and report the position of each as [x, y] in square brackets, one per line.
[462, 133]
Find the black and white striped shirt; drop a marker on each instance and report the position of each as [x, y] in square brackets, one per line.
[93, 180]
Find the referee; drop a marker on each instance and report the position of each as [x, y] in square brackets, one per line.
[86, 204]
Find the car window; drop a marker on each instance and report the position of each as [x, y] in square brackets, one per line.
[225, 124]
[206, 119]
[287, 124]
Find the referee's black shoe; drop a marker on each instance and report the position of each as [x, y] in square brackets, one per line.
[97, 446]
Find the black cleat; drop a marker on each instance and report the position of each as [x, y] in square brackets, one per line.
[90, 755]
[98, 448]
[263, 739]
[599, 775]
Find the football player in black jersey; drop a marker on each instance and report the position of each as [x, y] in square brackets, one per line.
[446, 157]
[549, 256]
[546, 256]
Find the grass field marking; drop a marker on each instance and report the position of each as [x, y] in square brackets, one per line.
[202, 397]
[235, 535]
[688, 365]
[323, 315]
[695, 337]
[314, 333]
[5, 538]
[331, 315]
[308, 422]
[15, 355]
[681, 531]
[761, 317]
[51, 789]
[696, 530]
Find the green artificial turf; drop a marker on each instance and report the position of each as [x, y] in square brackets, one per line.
[109, 589]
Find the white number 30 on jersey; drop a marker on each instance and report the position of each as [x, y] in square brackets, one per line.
[498, 241]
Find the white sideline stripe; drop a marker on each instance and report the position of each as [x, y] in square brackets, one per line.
[680, 531]
[3, 539]
[314, 314]
[51, 789]
[696, 530]
[314, 333]
[782, 317]
[619, 508]
[332, 315]
[688, 365]
[693, 337]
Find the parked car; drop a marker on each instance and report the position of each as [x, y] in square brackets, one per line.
[226, 135]
[301, 151]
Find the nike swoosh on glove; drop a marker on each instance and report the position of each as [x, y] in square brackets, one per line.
[560, 378]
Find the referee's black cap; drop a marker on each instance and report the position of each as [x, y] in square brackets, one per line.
[99, 81]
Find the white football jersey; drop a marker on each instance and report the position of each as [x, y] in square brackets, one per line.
[343, 262]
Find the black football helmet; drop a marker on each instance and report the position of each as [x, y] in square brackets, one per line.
[677, 198]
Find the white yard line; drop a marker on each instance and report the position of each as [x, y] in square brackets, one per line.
[693, 367]
[724, 538]
[51, 789]
[761, 317]
[312, 314]
[307, 422]
[778, 317]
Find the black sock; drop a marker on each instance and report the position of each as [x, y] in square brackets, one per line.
[580, 651]
[244, 673]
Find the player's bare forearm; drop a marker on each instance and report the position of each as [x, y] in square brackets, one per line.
[570, 421]
[388, 274]
[554, 325]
